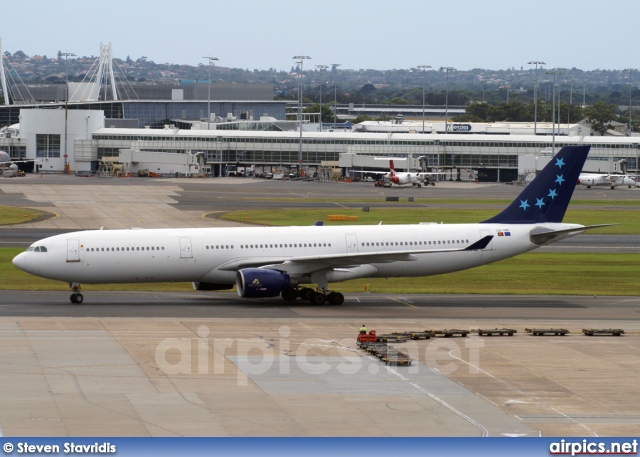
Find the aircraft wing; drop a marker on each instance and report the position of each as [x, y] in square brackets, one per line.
[370, 172]
[307, 264]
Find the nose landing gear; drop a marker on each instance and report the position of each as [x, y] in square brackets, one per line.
[76, 296]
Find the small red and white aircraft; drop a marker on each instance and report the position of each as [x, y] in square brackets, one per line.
[609, 180]
[392, 177]
[406, 178]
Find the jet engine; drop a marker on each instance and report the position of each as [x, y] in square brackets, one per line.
[257, 282]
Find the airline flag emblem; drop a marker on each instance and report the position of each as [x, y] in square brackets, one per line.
[504, 232]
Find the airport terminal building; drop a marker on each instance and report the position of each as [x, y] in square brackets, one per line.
[40, 136]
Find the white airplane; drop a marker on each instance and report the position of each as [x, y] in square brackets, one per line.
[8, 167]
[610, 180]
[272, 261]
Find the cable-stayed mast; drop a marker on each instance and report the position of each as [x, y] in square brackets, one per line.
[105, 69]
[103, 76]
[3, 80]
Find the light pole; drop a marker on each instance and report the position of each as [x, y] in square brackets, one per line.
[553, 109]
[335, 95]
[300, 76]
[570, 101]
[320, 68]
[66, 55]
[211, 59]
[424, 71]
[630, 88]
[558, 108]
[535, 95]
[508, 87]
[446, 97]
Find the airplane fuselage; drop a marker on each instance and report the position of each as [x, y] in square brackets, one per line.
[213, 255]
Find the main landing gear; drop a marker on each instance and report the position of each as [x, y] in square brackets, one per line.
[319, 297]
[76, 296]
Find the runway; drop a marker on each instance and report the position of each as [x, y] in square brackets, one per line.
[213, 364]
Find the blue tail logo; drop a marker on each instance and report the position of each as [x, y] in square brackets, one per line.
[547, 197]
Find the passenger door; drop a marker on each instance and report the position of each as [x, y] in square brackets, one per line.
[352, 243]
[185, 248]
[73, 250]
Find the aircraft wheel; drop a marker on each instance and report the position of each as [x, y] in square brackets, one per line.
[335, 298]
[289, 294]
[73, 298]
[305, 293]
[317, 298]
[77, 298]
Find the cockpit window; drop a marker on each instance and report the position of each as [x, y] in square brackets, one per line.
[36, 249]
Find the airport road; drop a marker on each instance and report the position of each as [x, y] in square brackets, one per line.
[212, 364]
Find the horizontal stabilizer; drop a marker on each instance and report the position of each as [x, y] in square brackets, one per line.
[541, 236]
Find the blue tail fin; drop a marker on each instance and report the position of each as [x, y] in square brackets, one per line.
[547, 197]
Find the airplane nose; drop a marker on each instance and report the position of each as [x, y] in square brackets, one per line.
[19, 261]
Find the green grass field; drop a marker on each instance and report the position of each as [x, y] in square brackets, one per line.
[10, 215]
[628, 218]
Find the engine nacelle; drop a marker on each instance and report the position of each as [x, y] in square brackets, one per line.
[257, 282]
[211, 286]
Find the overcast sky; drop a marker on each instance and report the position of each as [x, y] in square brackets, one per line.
[367, 34]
